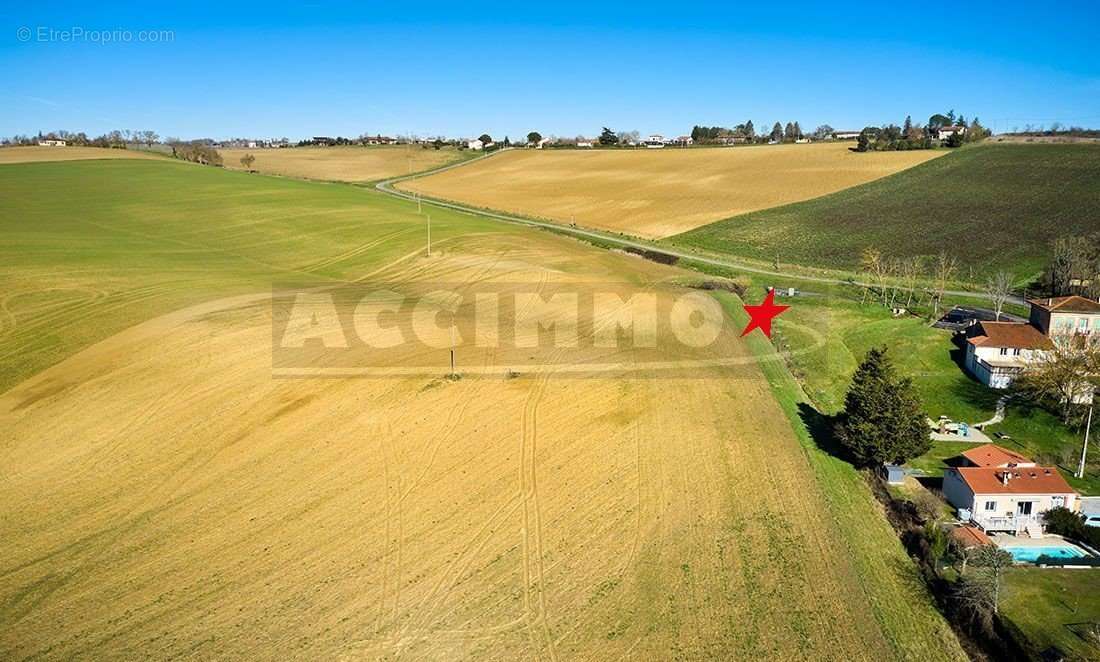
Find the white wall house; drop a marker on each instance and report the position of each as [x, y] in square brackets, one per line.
[51, 142]
[1004, 491]
[945, 132]
[997, 352]
[475, 144]
[587, 144]
[656, 141]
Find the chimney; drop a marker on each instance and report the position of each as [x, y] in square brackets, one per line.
[1005, 477]
[1050, 301]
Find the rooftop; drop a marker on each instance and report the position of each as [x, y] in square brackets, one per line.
[969, 536]
[1070, 304]
[1021, 480]
[992, 455]
[1018, 335]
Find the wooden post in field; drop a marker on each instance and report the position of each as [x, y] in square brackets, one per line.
[418, 210]
[429, 235]
[452, 349]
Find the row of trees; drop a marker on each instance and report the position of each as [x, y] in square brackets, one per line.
[901, 282]
[890, 279]
[915, 136]
[746, 132]
[116, 139]
[1056, 129]
[197, 151]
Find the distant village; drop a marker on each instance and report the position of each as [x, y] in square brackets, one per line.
[946, 130]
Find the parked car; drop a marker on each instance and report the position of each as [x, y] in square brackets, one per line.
[1092, 520]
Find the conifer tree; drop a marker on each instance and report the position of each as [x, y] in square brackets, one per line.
[882, 419]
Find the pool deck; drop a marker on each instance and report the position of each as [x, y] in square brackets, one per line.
[1003, 540]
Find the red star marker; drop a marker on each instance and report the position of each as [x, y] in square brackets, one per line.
[760, 317]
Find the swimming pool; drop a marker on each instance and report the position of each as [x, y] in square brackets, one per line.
[1032, 554]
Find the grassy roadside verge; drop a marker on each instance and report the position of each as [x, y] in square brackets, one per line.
[887, 576]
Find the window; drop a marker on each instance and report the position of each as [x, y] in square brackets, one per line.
[1082, 322]
[1004, 351]
[1016, 351]
[990, 506]
[1057, 502]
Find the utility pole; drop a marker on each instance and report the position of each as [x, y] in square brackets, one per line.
[1085, 449]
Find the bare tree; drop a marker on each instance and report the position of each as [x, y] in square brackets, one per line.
[976, 597]
[944, 268]
[1063, 378]
[870, 263]
[999, 287]
[911, 269]
[1070, 264]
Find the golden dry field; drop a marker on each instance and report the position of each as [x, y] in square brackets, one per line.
[30, 154]
[344, 163]
[658, 193]
[167, 495]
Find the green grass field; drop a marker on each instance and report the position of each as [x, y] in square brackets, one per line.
[1052, 607]
[92, 247]
[830, 333]
[994, 206]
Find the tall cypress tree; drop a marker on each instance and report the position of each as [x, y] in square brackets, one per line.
[882, 419]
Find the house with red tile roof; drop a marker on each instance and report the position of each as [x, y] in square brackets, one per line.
[1001, 490]
[996, 352]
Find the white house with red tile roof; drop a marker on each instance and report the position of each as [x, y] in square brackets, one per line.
[945, 132]
[1005, 491]
[996, 352]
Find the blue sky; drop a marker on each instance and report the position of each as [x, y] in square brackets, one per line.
[460, 69]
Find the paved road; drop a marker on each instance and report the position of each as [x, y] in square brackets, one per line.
[386, 186]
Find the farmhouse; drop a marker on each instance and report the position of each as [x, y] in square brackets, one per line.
[1061, 317]
[945, 132]
[656, 141]
[1000, 490]
[685, 140]
[51, 142]
[996, 352]
[845, 135]
[475, 144]
[584, 143]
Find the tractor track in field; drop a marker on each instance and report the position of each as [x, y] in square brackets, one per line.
[386, 187]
